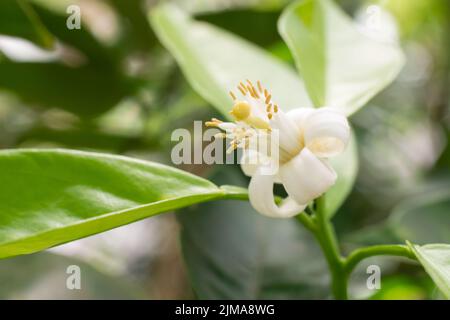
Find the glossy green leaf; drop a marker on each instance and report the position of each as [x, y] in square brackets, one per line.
[341, 66]
[233, 252]
[435, 258]
[18, 19]
[214, 61]
[346, 165]
[423, 219]
[48, 197]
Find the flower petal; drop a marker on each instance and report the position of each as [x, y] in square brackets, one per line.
[262, 198]
[306, 176]
[326, 132]
[298, 116]
[251, 160]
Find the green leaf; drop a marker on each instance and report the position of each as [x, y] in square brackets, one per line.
[346, 166]
[233, 252]
[214, 61]
[340, 65]
[49, 197]
[423, 219]
[18, 19]
[435, 258]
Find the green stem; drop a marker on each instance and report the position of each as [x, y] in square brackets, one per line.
[327, 239]
[322, 228]
[388, 250]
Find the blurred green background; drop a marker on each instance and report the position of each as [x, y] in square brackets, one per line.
[112, 87]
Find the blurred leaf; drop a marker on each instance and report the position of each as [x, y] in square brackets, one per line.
[247, 24]
[49, 197]
[435, 258]
[214, 61]
[92, 84]
[232, 252]
[346, 165]
[96, 52]
[423, 219]
[85, 91]
[85, 138]
[208, 6]
[400, 287]
[341, 66]
[372, 235]
[18, 19]
[137, 29]
[43, 276]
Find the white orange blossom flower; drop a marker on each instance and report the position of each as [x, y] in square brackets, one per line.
[306, 139]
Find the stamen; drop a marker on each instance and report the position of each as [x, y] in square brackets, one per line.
[242, 90]
[249, 88]
[269, 108]
[275, 108]
[268, 98]
[213, 123]
[232, 95]
[259, 86]
[266, 93]
[270, 116]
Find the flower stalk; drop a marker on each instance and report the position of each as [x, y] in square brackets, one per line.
[341, 267]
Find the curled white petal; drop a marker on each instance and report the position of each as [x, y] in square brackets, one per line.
[306, 177]
[288, 133]
[262, 198]
[298, 116]
[326, 132]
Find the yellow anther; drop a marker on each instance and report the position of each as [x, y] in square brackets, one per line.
[270, 116]
[249, 88]
[241, 110]
[268, 99]
[259, 86]
[232, 95]
[275, 108]
[269, 107]
[242, 90]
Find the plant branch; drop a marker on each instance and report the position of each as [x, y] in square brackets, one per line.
[326, 237]
[388, 250]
